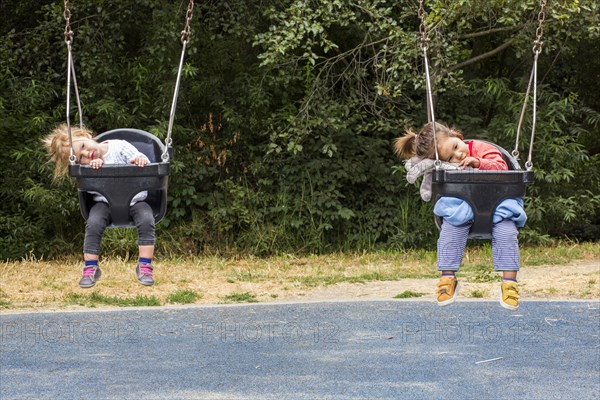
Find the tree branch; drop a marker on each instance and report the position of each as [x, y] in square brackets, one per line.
[482, 56]
[488, 32]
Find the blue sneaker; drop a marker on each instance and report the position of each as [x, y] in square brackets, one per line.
[144, 274]
[90, 276]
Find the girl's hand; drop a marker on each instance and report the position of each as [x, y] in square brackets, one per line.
[96, 163]
[469, 162]
[140, 161]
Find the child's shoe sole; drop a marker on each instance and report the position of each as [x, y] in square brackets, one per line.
[507, 306]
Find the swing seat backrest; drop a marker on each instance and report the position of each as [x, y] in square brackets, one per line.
[120, 183]
[483, 190]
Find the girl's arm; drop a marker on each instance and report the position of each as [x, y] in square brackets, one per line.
[131, 155]
[489, 156]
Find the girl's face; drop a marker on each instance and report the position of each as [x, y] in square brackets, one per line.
[452, 149]
[86, 150]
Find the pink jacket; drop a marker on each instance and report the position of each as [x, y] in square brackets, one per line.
[489, 156]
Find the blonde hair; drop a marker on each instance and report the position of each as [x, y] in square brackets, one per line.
[58, 148]
[421, 144]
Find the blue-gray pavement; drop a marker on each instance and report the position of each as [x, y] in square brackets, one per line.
[321, 350]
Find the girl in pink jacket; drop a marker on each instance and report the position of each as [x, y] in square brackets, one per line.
[453, 234]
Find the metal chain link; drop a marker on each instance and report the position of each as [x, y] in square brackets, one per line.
[186, 32]
[67, 17]
[539, 32]
[424, 40]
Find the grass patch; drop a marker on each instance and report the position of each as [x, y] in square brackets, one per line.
[480, 273]
[247, 276]
[245, 297]
[49, 283]
[332, 279]
[4, 301]
[407, 294]
[478, 294]
[561, 253]
[97, 299]
[185, 296]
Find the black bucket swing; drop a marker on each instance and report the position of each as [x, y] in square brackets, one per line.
[120, 183]
[484, 190]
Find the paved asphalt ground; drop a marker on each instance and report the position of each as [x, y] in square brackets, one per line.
[325, 350]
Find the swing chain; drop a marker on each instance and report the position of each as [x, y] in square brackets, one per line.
[186, 32]
[424, 39]
[67, 17]
[68, 34]
[185, 37]
[539, 32]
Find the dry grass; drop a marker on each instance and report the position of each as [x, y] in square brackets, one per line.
[38, 284]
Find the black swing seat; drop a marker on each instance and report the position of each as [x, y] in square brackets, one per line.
[120, 183]
[483, 190]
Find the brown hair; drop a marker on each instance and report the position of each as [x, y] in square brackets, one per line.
[421, 144]
[57, 146]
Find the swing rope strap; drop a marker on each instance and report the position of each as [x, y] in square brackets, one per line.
[68, 33]
[424, 42]
[537, 49]
[185, 37]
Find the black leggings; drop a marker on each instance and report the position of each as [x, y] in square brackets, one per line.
[99, 218]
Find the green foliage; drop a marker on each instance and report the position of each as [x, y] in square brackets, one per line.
[286, 113]
[186, 296]
[407, 294]
[4, 300]
[98, 299]
[236, 297]
[482, 273]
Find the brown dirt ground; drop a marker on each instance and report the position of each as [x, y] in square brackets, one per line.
[576, 280]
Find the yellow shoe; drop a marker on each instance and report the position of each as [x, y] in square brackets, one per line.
[509, 295]
[447, 290]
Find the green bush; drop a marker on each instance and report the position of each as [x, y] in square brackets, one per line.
[286, 115]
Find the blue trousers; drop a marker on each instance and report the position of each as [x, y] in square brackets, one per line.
[453, 239]
[99, 218]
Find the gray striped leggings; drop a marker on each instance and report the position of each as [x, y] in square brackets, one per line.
[453, 239]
